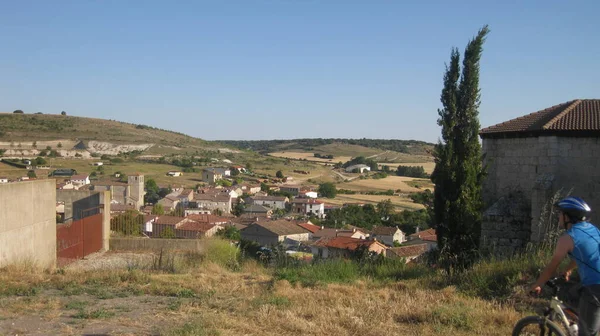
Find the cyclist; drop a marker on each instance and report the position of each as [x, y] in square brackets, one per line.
[581, 242]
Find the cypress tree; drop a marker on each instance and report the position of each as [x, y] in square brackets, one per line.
[458, 172]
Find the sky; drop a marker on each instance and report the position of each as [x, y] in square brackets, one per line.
[284, 69]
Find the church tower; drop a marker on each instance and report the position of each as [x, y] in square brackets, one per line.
[136, 189]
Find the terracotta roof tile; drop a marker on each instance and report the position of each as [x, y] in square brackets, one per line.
[196, 226]
[282, 227]
[344, 243]
[408, 251]
[427, 235]
[212, 219]
[310, 227]
[575, 115]
[170, 220]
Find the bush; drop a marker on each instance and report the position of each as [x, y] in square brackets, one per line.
[222, 252]
[416, 171]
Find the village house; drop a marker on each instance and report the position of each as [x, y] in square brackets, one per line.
[293, 189]
[80, 180]
[193, 230]
[213, 201]
[211, 175]
[240, 169]
[343, 247]
[428, 237]
[185, 197]
[274, 202]
[66, 172]
[196, 211]
[309, 207]
[408, 253]
[274, 232]
[388, 235]
[255, 209]
[169, 202]
[116, 209]
[97, 164]
[174, 173]
[531, 158]
[3, 179]
[308, 194]
[358, 168]
[250, 189]
[66, 185]
[310, 227]
[333, 232]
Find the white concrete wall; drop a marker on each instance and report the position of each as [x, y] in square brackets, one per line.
[28, 223]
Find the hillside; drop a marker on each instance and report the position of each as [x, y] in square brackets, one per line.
[29, 127]
[349, 147]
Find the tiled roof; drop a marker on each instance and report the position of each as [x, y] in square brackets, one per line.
[408, 251]
[254, 208]
[384, 230]
[196, 226]
[427, 235]
[310, 227]
[170, 220]
[575, 115]
[344, 243]
[212, 219]
[269, 198]
[282, 227]
[79, 177]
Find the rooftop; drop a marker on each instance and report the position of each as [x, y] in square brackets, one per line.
[282, 227]
[575, 116]
[344, 243]
[426, 235]
[269, 198]
[196, 226]
[310, 227]
[408, 251]
[169, 220]
[384, 230]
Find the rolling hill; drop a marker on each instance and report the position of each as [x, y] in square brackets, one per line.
[28, 127]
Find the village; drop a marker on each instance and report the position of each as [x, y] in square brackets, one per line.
[251, 209]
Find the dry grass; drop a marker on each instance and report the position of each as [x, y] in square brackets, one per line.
[391, 182]
[401, 203]
[208, 299]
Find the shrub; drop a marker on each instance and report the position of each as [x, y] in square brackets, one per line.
[222, 252]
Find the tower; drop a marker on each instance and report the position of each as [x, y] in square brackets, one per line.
[136, 189]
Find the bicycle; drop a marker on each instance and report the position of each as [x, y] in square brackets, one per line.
[557, 319]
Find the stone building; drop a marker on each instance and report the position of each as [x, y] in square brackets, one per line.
[532, 159]
[130, 193]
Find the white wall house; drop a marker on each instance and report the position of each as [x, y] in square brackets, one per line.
[174, 173]
[80, 180]
[361, 168]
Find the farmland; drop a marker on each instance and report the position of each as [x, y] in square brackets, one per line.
[400, 202]
[396, 183]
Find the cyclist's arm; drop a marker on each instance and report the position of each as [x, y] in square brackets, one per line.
[570, 267]
[564, 246]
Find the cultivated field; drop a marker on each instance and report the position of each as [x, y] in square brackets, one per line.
[401, 203]
[391, 182]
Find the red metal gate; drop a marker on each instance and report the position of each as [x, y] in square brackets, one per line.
[79, 238]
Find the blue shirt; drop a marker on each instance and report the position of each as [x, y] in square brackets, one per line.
[586, 252]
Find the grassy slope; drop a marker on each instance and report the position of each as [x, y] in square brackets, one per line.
[213, 294]
[48, 127]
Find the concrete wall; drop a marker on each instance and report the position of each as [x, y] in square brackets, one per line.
[538, 167]
[77, 201]
[150, 244]
[28, 223]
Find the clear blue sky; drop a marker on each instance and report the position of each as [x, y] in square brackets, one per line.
[276, 69]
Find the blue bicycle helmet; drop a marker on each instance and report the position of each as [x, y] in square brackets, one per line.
[574, 207]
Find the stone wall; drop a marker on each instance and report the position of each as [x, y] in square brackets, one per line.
[539, 167]
[28, 223]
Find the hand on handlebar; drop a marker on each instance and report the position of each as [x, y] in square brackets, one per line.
[535, 290]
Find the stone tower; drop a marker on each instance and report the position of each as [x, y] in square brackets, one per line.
[136, 190]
